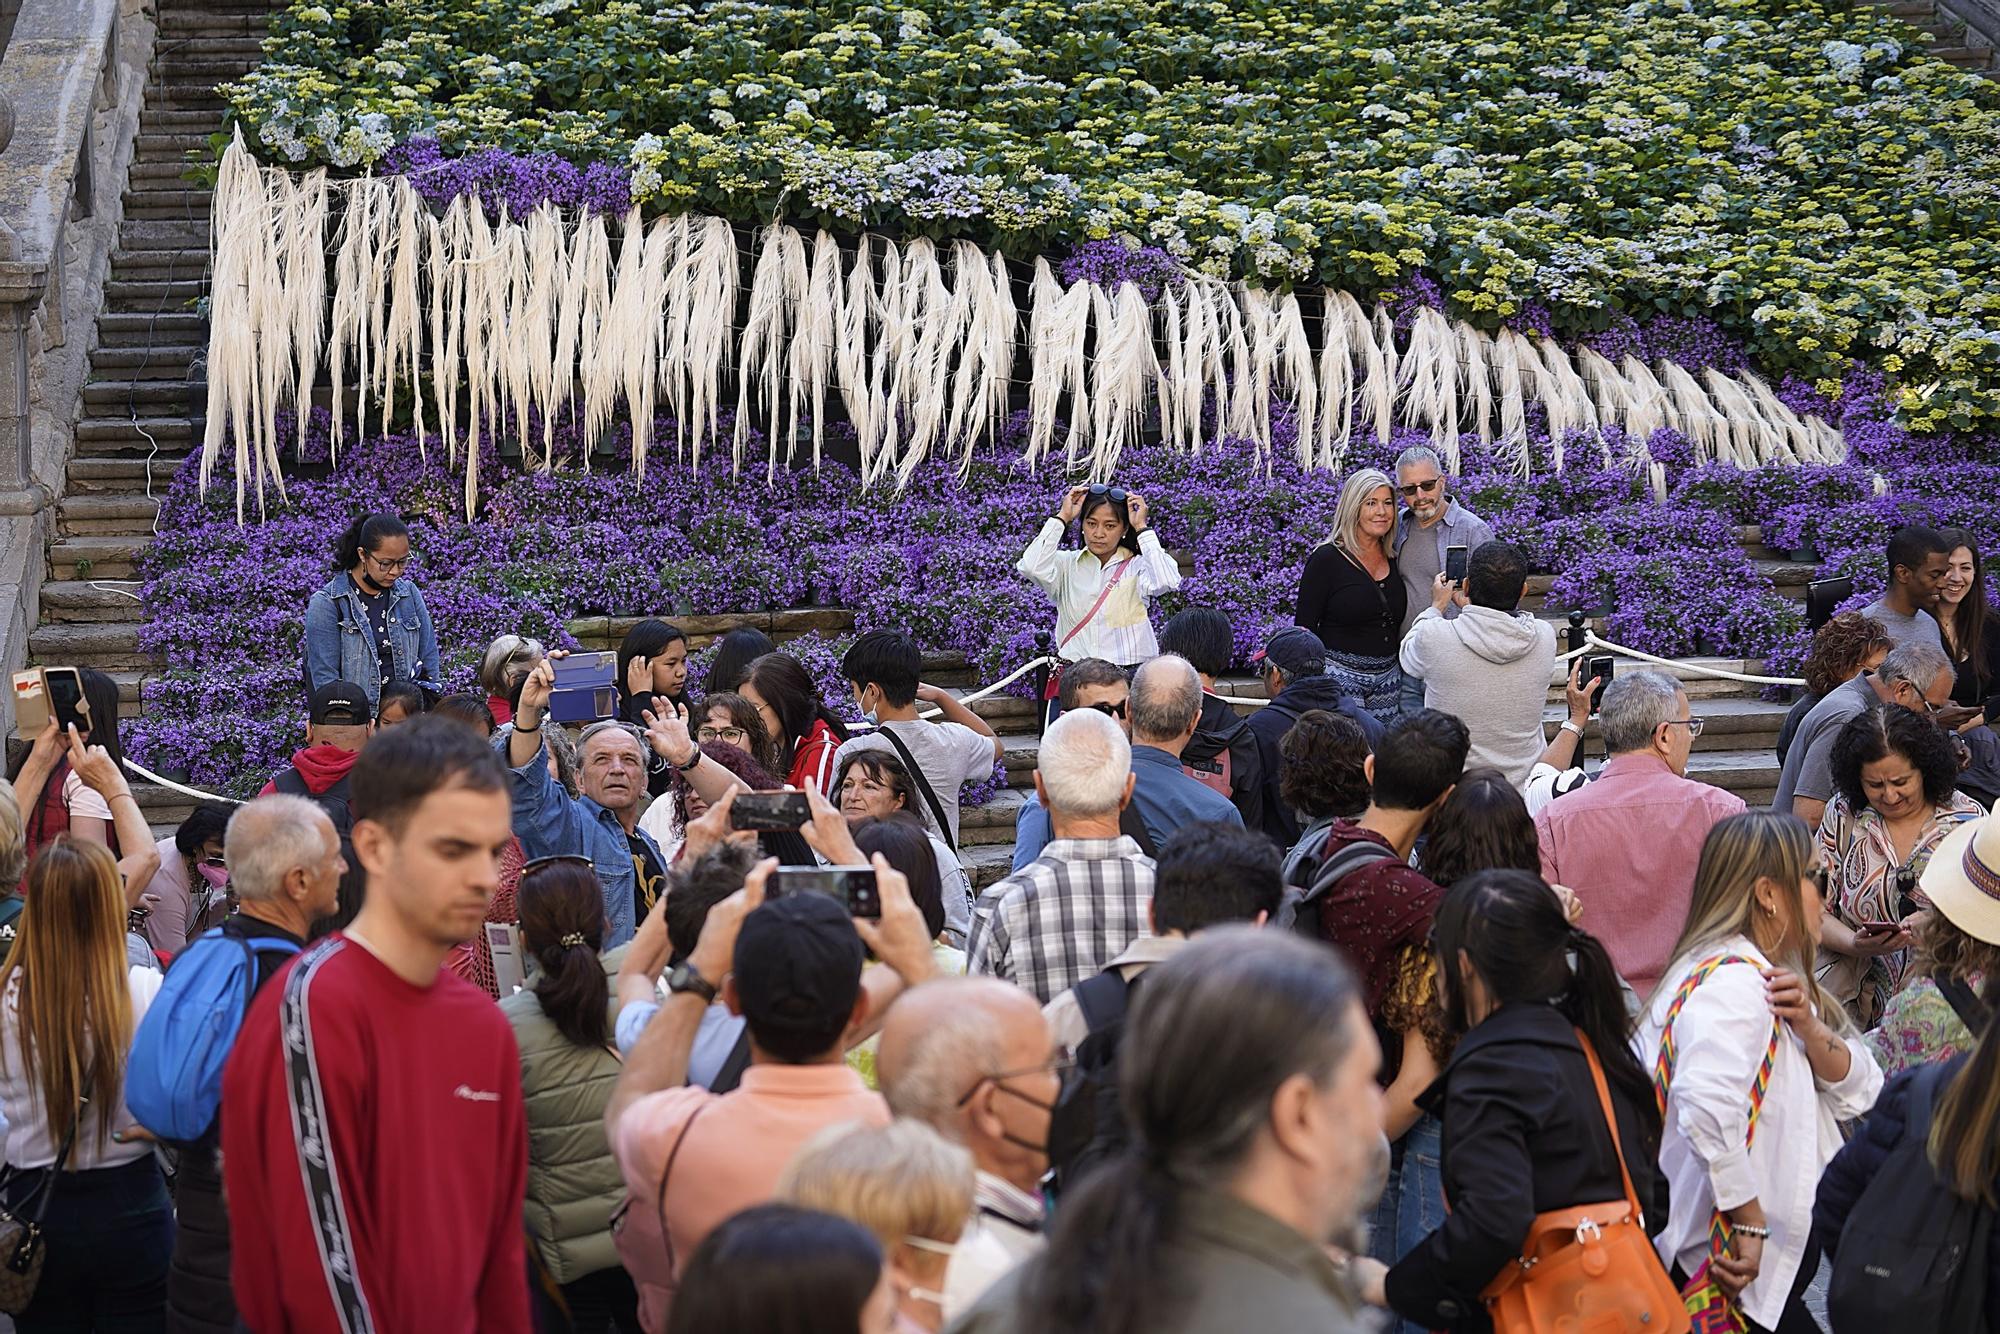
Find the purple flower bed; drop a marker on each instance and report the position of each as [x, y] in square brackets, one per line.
[223, 602]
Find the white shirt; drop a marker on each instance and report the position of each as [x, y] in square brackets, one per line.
[1721, 1035]
[31, 1140]
[1121, 632]
[949, 754]
[1004, 1231]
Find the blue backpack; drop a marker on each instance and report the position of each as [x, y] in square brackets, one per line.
[173, 1079]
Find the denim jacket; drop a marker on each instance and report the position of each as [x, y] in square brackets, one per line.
[550, 822]
[341, 647]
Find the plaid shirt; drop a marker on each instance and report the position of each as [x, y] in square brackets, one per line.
[1064, 916]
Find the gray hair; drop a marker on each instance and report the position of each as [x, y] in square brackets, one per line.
[1634, 707]
[1915, 664]
[598, 729]
[268, 839]
[1347, 511]
[507, 660]
[966, 1043]
[1419, 454]
[13, 840]
[568, 760]
[1166, 698]
[1084, 761]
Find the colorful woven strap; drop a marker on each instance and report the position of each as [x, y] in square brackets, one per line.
[1663, 1068]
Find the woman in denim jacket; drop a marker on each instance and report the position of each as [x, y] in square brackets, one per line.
[369, 624]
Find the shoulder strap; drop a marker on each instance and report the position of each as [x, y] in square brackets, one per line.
[1663, 1067]
[666, 1175]
[1101, 1000]
[1103, 595]
[291, 782]
[1611, 1120]
[923, 785]
[730, 1073]
[1345, 862]
[314, 1135]
[1967, 1005]
[1133, 826]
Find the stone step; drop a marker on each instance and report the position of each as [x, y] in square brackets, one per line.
[119, 476]
[141, 397]
[985, 864]
[125, 328]
[158, 118]
[146, 361]
[161, 145]
[118, 436]
[96, 557]
[164, 265]
[246, 48]
[105, 646]
[993, 822]
[155, 294]
[177, 235]
[179, 23]
[108, 515]
[1966, 57]
[75, 600]
[179, 203]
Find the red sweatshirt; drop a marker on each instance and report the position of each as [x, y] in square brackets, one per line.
[321, 766]
[418, 1104]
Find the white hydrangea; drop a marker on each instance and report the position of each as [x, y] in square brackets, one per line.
[1000, 41]
[1845, 57]
[645, 180]
[797, 107]
[751, 91]
[1135, 140]
[315, 14]
[874, 101]
[548, 7]
[722, 118]
[645, 145]
[718, 97]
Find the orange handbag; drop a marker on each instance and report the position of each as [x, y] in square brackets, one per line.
[1591, 1269]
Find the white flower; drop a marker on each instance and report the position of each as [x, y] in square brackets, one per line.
[645, 145]
[1000, 41]
[746, 91]
[796, 107]
[874, 101]
[1845, 57]
[1715, 43]
[645, 180]
[315, 14]
[718, 97]
[722, 118]
[548, 7]
[1135, 140]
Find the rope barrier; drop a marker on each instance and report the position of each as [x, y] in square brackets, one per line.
[181, 788]
[1723, 673]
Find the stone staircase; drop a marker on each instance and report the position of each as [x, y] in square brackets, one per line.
[1962, 32]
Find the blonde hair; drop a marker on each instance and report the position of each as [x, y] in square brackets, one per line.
[13, 841]
[899, 1180]
[67, 975]
[1347, 513]
[1739, 851]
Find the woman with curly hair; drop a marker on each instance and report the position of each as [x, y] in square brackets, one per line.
[1894, 802]
[1321, 777]
[1925, 1022]
[1842, 649]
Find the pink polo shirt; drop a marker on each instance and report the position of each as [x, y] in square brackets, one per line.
[733, 1148]
[1628, 844]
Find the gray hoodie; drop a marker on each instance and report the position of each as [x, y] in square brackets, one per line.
[1492, 669]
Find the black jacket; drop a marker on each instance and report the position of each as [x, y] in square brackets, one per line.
[1524, 1134]
[1220, 729]
[199, 1299]
[1269, 725]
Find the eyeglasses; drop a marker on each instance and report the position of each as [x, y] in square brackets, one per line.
[733, 735]
[534, 864]
[1058, 1066]
[1111, 708]
[393, 566]
[218, 863]
[1693, 725]
[1117, 493]
[1424, 487]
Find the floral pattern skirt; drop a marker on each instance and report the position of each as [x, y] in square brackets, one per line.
[1378, 681]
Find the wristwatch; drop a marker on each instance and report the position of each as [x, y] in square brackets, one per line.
[687, 978]
[693, 760]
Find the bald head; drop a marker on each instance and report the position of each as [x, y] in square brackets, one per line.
[1166, 700]
[942, 1038]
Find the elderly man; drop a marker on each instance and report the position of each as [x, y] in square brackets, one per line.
[602, 824]
[1915, 675]
[1090, 684]
[1069, 912]
[973, 1059]
[1628, 842]
[1431, 521]
[285, 865]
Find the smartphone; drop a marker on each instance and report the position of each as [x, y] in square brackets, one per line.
[1454, 564]
[769, 812]
[852, 885]
[66, 701]
[1601, 669]
[584, 691]
[31, 703]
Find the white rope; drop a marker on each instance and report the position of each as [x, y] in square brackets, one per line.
[1721, 672]
[181, 788]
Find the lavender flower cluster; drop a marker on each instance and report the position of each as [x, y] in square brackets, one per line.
[510, 184]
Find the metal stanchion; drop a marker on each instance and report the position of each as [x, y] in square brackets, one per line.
[1041, 679]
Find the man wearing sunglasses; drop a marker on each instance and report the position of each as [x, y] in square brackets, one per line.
[1431, 522]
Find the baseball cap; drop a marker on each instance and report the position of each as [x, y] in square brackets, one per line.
[1296, 649]
[341, 704]
[798, 964]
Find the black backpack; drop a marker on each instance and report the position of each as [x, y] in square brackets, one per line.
[1087, 1125]
[333, 801]
[1298, 911]
[1912, 1254]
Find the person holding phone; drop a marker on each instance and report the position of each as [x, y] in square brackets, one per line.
[1431, 527]
[1102, 591]
[1894, 802]
[368, 624]
[55, 798]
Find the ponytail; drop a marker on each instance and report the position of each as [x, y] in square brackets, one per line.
[1595, 1004]
[365, 534]
[562, 923]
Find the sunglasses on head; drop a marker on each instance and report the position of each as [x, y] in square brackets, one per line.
[534, 864]
[1116, 493]
[1424, 487]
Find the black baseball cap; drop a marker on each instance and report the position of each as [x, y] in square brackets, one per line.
[798, 964]
[1296, 649]
[341, 704]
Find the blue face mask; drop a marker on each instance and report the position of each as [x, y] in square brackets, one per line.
[873, 717]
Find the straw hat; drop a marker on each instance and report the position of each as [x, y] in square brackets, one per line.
[1963, 878]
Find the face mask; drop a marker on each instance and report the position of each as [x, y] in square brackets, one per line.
[217, 876]
[1040, 1150]
[873, 717]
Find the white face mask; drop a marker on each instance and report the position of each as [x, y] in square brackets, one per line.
[943, 1248]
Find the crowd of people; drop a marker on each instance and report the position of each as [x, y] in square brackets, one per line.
[1371, 1006]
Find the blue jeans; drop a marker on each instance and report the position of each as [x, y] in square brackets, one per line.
[1412, 1203]
[1413, 694]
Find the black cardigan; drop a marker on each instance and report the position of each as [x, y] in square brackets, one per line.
[1350, 612]
[1968, 690]
[1524, 1135]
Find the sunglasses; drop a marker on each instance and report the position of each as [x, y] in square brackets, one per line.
[1424, 488]
[534, 864]
[1117, 493]
[1110, 708]
[219, 863]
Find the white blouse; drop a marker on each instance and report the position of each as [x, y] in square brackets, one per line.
[1720, 1036]
[33, 1136]
[1121, 632]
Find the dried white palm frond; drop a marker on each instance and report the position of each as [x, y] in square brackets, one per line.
[1124, 375]
[1510, 351]
[851, 351]
[305, 287]
[1645, 404]
[1752, 439]
[1059, 328]
[1690, 412]
[1427, 381]
[1376, 341]
[777, 287]
[711, 316]
[1343, 326]
[1292, 373]
[817, 329]
[1475, 354]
